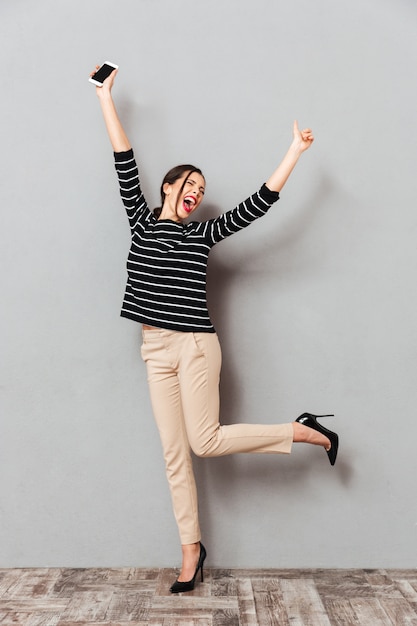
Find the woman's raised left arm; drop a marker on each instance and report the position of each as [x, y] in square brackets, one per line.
[302, 140]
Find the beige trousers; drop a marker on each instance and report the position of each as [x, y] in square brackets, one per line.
[183, 376]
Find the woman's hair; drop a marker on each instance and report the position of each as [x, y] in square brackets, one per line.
[170, 177]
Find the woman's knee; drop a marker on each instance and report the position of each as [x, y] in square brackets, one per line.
[202, 449]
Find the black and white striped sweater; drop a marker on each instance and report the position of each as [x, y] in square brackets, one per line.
[167, 263]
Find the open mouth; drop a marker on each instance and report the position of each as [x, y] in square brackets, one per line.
[189, 203]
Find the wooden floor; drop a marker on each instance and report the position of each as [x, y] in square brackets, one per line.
[129, 596]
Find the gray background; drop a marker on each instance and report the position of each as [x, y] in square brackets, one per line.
[314, 304]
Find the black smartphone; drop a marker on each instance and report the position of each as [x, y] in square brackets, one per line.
[102, 73]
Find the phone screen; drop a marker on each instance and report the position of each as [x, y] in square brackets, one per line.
[101, 74]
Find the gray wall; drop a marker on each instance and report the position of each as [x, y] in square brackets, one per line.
[315, 304]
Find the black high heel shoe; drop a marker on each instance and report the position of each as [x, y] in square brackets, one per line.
[311, 421]
[179, 587]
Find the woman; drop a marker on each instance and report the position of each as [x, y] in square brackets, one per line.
[166, 294]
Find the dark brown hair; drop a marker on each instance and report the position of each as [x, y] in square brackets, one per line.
[170, 177]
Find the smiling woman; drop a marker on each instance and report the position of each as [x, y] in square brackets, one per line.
[166, 293]
[183, 187]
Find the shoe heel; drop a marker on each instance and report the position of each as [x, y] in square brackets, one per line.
[313, 417]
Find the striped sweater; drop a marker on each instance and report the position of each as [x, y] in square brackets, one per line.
[167, 263]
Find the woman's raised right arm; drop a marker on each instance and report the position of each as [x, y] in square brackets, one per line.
[115, 130]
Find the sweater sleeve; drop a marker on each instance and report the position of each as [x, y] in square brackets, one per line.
[129, 185]
[241, 216]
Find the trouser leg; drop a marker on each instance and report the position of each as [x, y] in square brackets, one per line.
[199, 373]
[166, 404]
[183, 375]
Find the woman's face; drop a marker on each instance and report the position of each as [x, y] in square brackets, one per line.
[181, 204]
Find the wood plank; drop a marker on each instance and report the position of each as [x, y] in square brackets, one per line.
[33, 605]
[8, 580]
[88, 606]
[128, 605]
[407, 590]
[186, 601]
[64, 623]
[303, 603]
[369, 611]
[246, 600]
[403, 574]
[399, 611]
[29, 619]
[180, 620]
[223, 582]
[164, 581]
[382, 585]
[269, 602]
[26, 583]
[341, 612]
[342, 583]
[225, 618]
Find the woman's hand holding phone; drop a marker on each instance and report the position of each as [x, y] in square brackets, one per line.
[103, 77]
